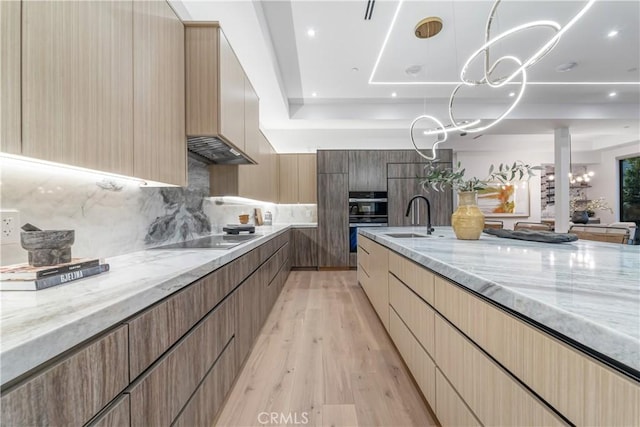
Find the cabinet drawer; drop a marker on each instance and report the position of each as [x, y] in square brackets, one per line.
[157, 329]
[207, 400]
[556, 372]
[491, 393]
[366, 243]
[415, 313]
[419, 362]
[450, 408]
[419, 279]
[160, 394]
[364, 259]
[73, 390]
[117, 414]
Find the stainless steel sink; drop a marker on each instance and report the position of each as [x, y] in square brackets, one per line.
[406, 235]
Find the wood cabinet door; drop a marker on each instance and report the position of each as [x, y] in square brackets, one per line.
[307, 178]
[288, 174]
[333, 161]
[401, 190]
[305, 247]
[159, 94]
[367, 170]
[77, 83]
[333, 220]
[117, 414]
[201, 69]
[10, 82]
[207, 401]
[251, 121]
[160, 394]
[75, 389]
[231, 84]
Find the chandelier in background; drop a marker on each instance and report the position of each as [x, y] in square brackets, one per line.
[441, 131]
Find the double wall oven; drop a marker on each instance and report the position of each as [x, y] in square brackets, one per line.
[366, 209]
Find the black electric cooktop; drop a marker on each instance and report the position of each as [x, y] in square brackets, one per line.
[212, 242]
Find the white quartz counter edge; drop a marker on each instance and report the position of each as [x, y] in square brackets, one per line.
[605, 340]
[38, 326]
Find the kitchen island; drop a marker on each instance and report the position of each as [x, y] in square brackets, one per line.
[157, 340]
[534, 309]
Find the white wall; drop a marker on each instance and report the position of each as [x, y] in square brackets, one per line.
[477, 164]
[606, 183]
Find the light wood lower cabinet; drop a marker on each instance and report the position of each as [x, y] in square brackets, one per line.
[74, 390]
[377, 288]
[417, 314]
[449, 407]
[159, 395]
[420, 280]
[117, 414]
[417, 359]
[491, 393]
[582, 389]
[485, 356]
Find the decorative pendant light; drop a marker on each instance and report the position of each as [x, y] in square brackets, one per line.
[489, 79]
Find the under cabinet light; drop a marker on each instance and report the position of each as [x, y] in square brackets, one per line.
[53, 167]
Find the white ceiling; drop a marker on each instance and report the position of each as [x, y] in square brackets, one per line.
[286, 66]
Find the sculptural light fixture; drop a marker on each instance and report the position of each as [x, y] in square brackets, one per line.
[488, 79]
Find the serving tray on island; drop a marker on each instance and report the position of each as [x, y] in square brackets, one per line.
[533, 235]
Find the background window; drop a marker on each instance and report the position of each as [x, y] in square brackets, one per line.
[630, 190]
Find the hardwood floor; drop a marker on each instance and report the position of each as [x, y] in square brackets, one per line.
[324, 357]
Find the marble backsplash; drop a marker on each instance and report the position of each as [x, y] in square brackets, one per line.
[113, 216]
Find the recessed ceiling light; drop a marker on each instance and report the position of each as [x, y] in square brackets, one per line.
[626, 127]
[314, 94]
[413, 70]
[632, 69]
[393, 94]
[612, 94]
[512, 94]
[612, 33]
[563, 68]
[428, 27]
[311, 32]
[355, 69]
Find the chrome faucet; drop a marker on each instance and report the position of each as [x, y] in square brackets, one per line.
[429, 228]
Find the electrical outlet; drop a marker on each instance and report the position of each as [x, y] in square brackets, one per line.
[10, 221]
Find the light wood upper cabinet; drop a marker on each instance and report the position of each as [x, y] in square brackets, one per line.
[298, 178]
[231, 82]
[252, 134]
[77, 83]
[288, 177]
[220, 99]
[259, 181]
[159, 95]
[10, 81]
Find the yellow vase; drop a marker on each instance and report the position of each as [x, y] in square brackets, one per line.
[467, 221]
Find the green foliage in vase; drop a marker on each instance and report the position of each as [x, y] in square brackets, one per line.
[438, 178]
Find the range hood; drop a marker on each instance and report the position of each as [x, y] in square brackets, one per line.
[213, 150]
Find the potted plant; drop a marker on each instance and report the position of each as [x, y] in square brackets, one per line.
[582, 209]
[468, 221]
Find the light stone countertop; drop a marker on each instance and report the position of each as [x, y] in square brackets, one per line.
[586, 291]
[36, 326]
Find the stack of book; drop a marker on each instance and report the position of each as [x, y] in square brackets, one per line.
[24, 277]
